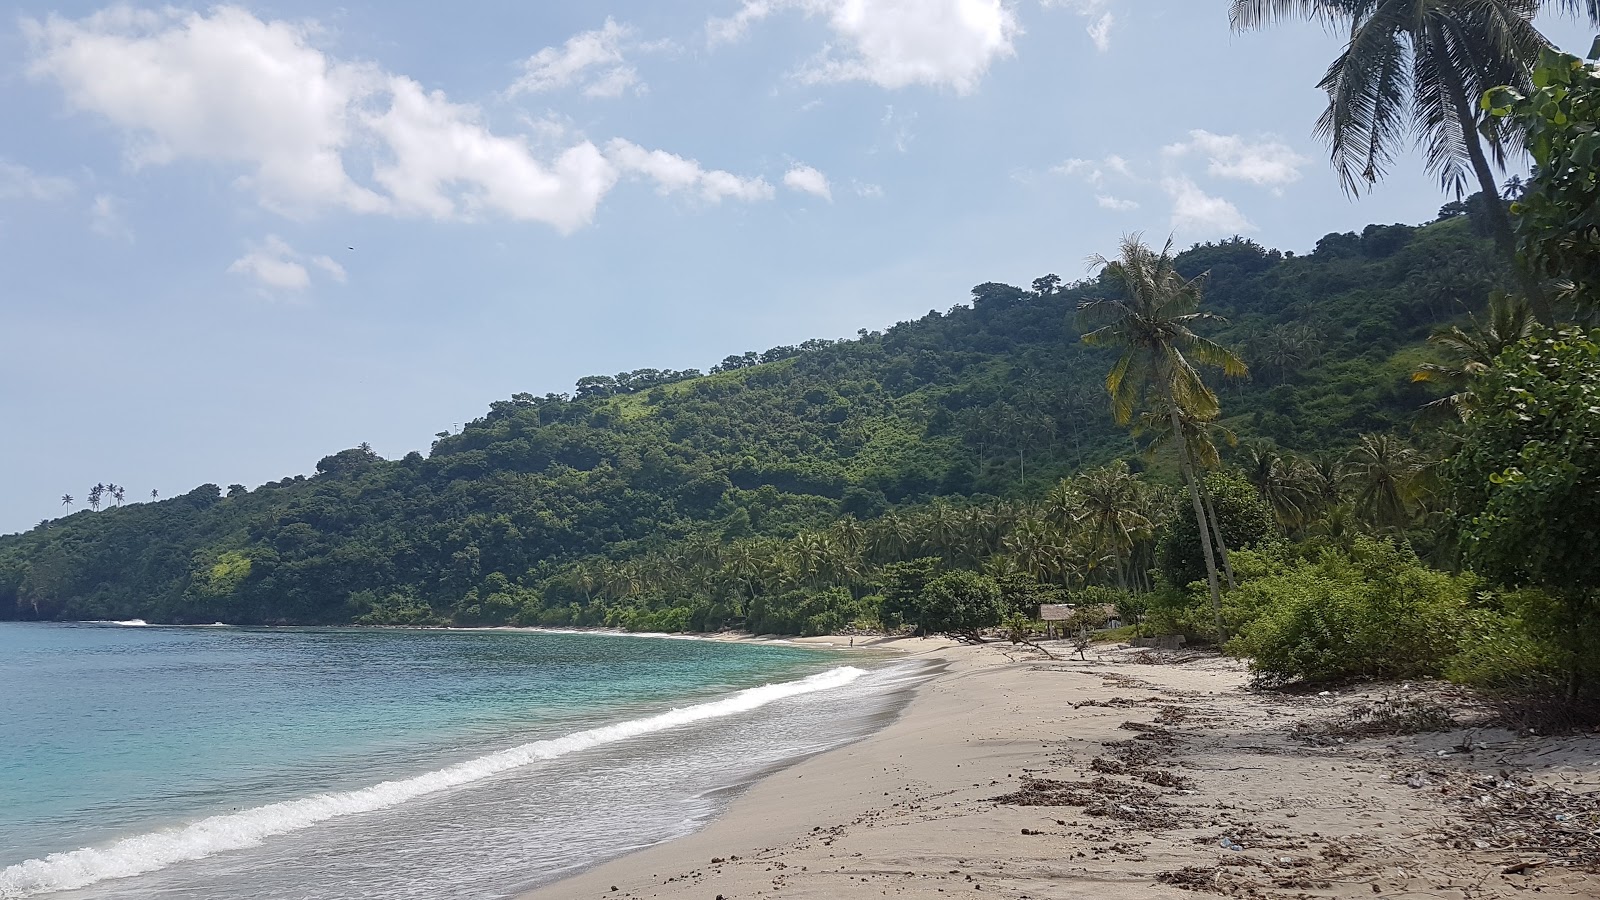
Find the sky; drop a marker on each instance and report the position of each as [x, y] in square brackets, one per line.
[237, 238]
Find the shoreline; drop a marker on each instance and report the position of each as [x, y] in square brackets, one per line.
[1134, 774]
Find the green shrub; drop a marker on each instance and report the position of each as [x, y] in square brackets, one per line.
[1377, 612]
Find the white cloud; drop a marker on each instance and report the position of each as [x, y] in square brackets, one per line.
[1267, 162]
[1116, 204]
[867, 190]
[1098, 12]
[1094, 171]
[809, 181]
[673, 174]
[334, 270]
[594, 59]
[1198, 214]
[18, 182]
[105, 218]
[446, 165]
[274, 265]
[894, 43]
[226, 88]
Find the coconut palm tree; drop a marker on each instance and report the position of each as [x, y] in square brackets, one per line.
[1152, 326]
[154, 495]
[1386, 474]
[1412, 73]
[1111, 516]
[1473, 350]
[67, 501]
[1200, 436]
[1280, 481]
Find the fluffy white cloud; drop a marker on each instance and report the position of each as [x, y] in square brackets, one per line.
[1098, 12]
[594, 59]
[445, 164]
[274, 265]
[1267, 162]
[1198, 214]
[1116, 204]
[18, 182]
[894, 43]
[224, 86]
[674, 174]
[227, 88]
[807, 180]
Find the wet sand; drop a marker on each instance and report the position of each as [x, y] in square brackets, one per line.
[1135, 774]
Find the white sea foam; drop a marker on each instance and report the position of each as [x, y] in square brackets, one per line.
[132, 623]
[235, 831]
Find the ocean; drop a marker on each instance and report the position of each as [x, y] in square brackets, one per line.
[144, 762]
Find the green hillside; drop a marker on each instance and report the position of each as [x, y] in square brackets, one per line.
[658, 499]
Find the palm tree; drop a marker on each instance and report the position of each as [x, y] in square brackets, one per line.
[1412, 72]
[1198, 434]
[1111, 516]
[1281, 483]
[95, 494]
[154, 495]
[1152, 327]
[67, 501]
[1386, 474]
[117, 492]
[1473, 350]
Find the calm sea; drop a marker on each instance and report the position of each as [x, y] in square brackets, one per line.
[342, 763]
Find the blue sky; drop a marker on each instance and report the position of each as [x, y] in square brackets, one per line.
[236, 238]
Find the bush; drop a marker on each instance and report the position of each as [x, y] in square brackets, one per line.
[1377, 612]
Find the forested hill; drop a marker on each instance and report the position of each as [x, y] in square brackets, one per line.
[996, 399]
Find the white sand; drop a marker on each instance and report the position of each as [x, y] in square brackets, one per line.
[911, 810]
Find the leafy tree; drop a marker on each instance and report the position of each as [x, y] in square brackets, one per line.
[1411, 73]
[1558, 212]
[1526, 484]
[904, 585]
[959, 603]
[1242, 517]
[1151, 325]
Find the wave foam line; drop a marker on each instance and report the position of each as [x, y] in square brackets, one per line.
[235, 831]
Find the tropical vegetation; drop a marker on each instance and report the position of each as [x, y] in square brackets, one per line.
[1239, 444]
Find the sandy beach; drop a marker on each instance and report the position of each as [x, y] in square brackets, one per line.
[1143, 774]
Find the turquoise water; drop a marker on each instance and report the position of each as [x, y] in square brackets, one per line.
[201, 762]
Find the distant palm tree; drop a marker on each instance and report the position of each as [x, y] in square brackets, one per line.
[96, 493]
[117, 492]
[154, 495]
[1473, 350]
[1111, 515]
[1412, 72]
[1386, 474]
[1152, 327]
[1281, 482]
[67, 501]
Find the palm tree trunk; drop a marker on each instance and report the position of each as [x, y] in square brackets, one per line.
[1499, 219]
[1216, 532]
[1200, 520]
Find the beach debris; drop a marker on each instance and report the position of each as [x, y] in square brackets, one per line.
[1228, 843]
